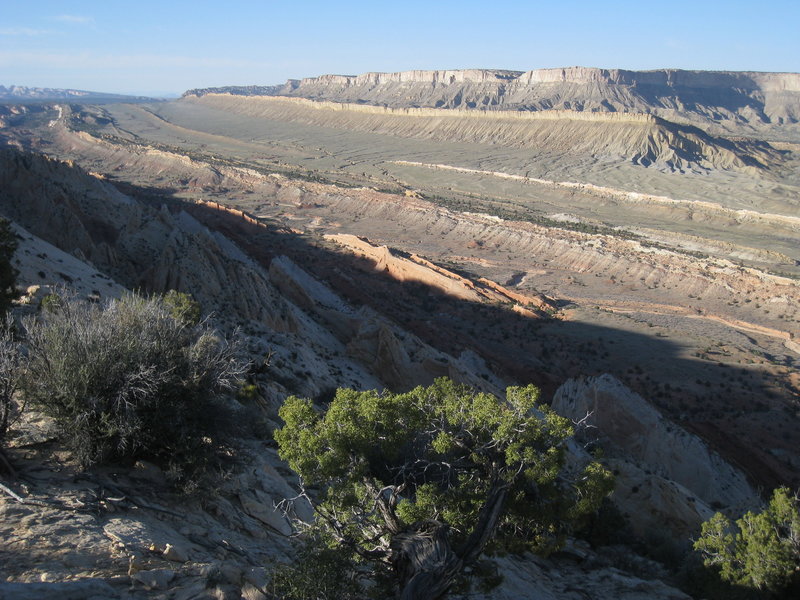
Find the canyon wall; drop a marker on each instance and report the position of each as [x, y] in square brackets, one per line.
[747, 101]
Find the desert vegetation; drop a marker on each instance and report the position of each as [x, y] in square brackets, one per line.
[411, 491]
[419, 485]
[652, 261]
[10, 358]
[8, 274]
[138, 377]
[761, 551]
[10, 376]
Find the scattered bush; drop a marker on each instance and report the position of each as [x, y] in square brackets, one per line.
[761, 551]
[183, 307]
[318, 572]
[51, 303]
[129, 379]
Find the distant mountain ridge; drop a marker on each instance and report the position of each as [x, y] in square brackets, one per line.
[238, 90]
[733, 100]
[23, 93]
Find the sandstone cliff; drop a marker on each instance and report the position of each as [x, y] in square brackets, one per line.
[747, 100]
[415, 268]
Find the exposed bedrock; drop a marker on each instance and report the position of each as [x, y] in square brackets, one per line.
[396, 357]
[140, 246]
[665, 475]
[157, 250]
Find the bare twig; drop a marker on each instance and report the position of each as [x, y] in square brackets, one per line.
[12, 493]
[30, 501]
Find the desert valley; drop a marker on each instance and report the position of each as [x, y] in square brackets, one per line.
[627, 241]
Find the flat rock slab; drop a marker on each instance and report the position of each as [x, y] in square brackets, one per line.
[35, 540]
[260, 506]
[138, 535]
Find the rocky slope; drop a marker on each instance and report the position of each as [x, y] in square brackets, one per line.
[750, 101]
[122, 534]
[378, 281]
[661, 489]
[156, 249]
[78, 536]
[689, 329]
[632, 137]
[415, 268]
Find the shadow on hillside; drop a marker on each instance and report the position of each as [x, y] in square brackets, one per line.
[710, 398]
[707, 397]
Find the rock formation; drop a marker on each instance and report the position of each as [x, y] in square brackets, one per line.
[744, 99]
[21, 93]
[666, 477]
[157, 250]
[417, 269]
[224, 218]
[117, 542]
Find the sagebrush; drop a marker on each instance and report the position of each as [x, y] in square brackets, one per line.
[128, 379]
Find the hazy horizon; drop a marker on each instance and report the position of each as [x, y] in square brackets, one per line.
[161, 49]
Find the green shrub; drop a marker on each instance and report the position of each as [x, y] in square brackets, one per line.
[51, 303]
[430, 479]
[318, 572]
[183, 307]
[128, 380]
[761, 551]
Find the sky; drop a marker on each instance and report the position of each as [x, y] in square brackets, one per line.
[159, 48]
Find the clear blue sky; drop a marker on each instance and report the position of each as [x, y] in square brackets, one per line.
[146, 47]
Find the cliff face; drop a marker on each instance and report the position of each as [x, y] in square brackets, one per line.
[674, 78]
[417, 269]
[734, 100]
[437, 77]
[640, 138]
[667, 77]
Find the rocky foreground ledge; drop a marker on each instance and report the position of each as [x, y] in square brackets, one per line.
[122, 533]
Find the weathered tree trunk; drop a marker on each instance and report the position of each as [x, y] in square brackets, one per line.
[488, 519]
[424, 562]
[426, 565]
